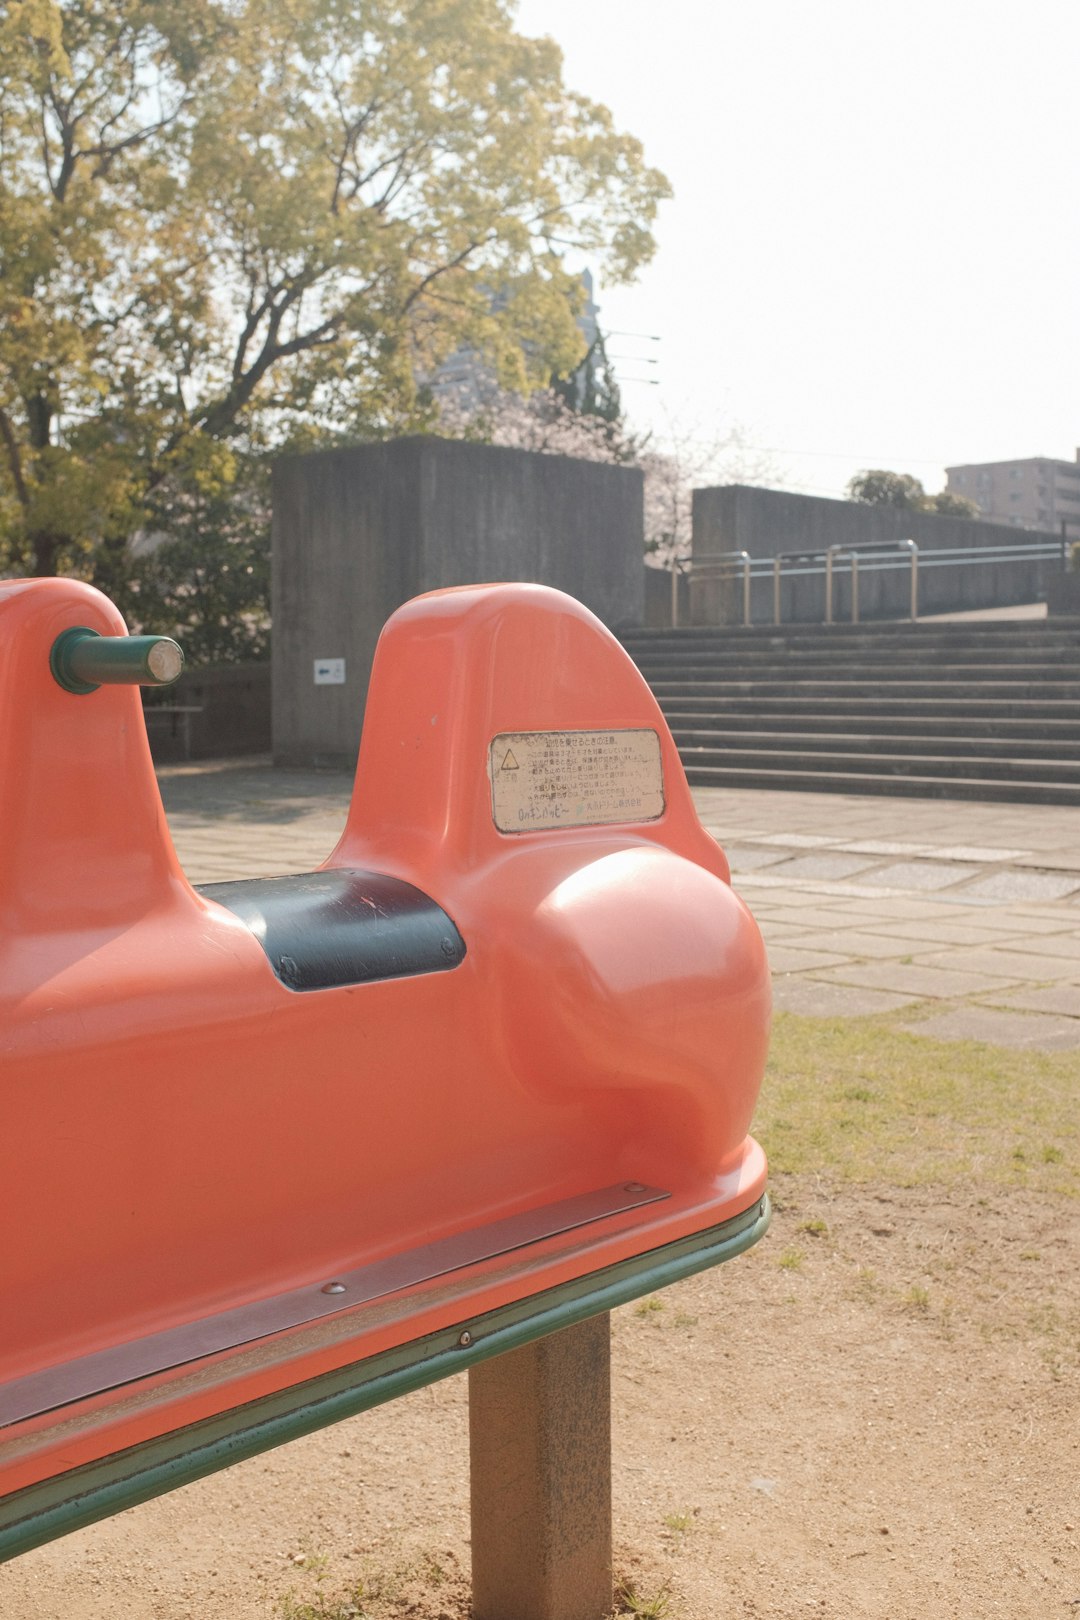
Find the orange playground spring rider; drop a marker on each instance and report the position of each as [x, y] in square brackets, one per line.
[275, 1150]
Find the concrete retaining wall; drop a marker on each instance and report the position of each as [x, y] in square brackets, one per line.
[357, 532]
[768, 522]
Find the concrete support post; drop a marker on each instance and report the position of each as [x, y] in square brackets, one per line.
[540, 1447]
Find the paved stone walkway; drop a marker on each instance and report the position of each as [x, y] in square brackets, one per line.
[962, 918]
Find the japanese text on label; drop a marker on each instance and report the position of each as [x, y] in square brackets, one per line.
[548, 779]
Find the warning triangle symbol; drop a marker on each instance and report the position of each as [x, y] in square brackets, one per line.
[510, 763]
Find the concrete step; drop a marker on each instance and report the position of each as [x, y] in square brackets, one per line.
[890, 647]
[856, 669]
[873, 634]
[871, 705]
[1009, 731]
[794, 781]
[842, 687]
[876, 745]
[1021, 665]
[991, 711]
[882, 763]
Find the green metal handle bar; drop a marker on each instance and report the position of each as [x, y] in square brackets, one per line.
[82, 660]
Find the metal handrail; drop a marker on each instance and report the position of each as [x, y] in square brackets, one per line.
[853, 552]
[716, 563]
[865, 557]
[779, 560]
[832, 553]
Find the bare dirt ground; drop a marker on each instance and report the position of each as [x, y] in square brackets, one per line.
[872, 1416]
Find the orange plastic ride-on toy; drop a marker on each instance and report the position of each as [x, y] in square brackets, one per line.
[273, 1151]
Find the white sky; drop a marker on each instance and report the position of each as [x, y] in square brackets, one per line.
[871, 257]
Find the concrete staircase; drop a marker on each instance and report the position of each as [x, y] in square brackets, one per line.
[962, 710]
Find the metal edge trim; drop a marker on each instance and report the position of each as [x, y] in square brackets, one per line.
[68, 1382]
[56, 1506]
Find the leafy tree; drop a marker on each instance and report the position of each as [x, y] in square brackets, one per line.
[946, 504]
[880, 488]
[877, 487]
[231, 225]
[200, 571]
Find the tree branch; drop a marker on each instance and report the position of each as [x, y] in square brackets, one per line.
[14, 460]
[441, 270]
[218, 416]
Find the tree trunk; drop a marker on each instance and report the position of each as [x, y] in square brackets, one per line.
[44, 546]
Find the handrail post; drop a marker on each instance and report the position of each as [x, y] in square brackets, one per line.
[778, 563]
[913, 551]
[674, 592]
[746, 589]
[830, 555]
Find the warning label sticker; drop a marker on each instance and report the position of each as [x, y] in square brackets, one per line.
[546, 779]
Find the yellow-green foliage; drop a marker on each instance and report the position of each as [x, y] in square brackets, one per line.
[248, 219]
[863, 1100]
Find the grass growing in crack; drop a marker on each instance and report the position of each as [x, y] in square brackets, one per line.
[864, 1100]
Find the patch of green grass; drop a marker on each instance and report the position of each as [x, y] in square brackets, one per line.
[322, 1608]
[628, 1600]
[791, 1260]
[864, 1100]
[815, 1227]
[683, 1319]
[648, 1307]
[378, 1594]
[680, 1523]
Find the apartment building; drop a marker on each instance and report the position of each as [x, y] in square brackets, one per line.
[1035, 493]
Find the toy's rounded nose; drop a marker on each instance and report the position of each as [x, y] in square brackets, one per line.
[647, 975]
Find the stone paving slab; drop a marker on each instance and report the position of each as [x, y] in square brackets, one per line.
[1019, 921]
[920, 875]
[828, 916]
[1064, 945]
[1064, 860]
[930, 931]
[812, 998]
[786, 904]
[1023, 885]
[822, 865]
[745, 858]
[773, 930]
[1063, 999]
[1034, 829]
[785, 958]
[1029, 1032]
[1023, 965]
[854, 943]
[907, 978]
